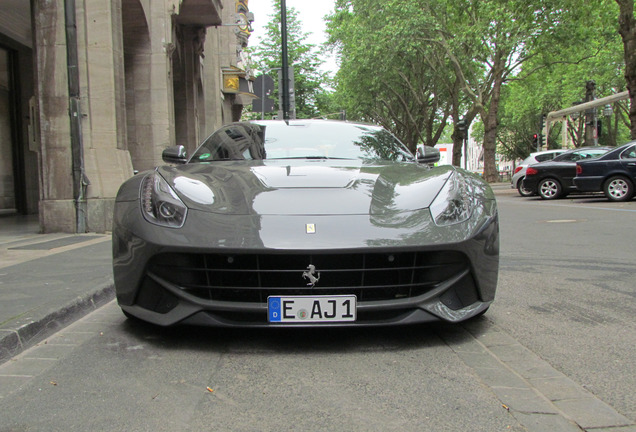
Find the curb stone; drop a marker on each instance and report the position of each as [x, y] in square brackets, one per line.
[13, 342]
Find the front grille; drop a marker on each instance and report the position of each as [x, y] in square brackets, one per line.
[254, 277]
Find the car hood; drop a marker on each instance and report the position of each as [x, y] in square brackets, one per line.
[305, 187]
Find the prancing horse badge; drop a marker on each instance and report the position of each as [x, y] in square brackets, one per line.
[310, 228]
[312, 275]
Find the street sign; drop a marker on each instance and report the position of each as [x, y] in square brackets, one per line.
[263, 88]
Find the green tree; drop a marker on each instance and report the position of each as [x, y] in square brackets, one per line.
[627, 30]
[555, 78]
[488, 43]
[311, 85]
[384, 78]
[477, 45]
[469, 50]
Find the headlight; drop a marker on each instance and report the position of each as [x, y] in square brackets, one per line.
[454, 202]
[160, 205]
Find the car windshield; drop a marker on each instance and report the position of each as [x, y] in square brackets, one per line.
[301, 140]
[580, 155]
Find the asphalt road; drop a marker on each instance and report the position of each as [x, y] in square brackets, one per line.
[562, 326]
[567, 289]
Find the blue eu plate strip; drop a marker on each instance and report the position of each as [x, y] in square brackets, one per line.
[273, 305]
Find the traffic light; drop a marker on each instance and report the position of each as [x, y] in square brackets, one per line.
[543, 137]
[535, 139]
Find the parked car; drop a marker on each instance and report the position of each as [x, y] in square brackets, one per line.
[614, 173]
[520, 171]
[553, 179]
[304, 223]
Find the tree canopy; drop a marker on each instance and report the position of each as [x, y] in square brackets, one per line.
[412, 65]
[423, 67]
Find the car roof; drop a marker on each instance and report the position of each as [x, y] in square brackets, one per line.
[619, 149]
[590, 148]
[624, 146]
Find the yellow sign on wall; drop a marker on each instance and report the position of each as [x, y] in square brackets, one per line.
[230, 83]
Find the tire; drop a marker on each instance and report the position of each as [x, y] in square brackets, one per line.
[549, 189]
[523, 191]
[618, 188]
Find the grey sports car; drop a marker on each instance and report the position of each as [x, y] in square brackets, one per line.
[304, 223]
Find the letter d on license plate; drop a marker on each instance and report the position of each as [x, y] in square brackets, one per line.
[305, 309]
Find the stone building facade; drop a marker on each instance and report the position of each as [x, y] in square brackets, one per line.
[92, 91]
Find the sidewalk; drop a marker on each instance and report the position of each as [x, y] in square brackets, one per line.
[47, 281]
[504, 189]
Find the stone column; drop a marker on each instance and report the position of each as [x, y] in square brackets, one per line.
[106, 157]
[57, 207]
[212, 83]
[161, 94]
[102, 109]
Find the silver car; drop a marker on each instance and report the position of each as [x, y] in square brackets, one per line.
[520, 171]
[304, 223]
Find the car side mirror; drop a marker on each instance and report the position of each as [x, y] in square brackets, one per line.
[175, 154]
[427, 155]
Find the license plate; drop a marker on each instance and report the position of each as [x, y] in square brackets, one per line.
[305, 309]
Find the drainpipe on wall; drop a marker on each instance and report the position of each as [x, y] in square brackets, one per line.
[285, 59]
[80, 181]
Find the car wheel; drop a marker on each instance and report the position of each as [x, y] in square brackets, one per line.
[618, 188]
[549, 189]
[524, 192]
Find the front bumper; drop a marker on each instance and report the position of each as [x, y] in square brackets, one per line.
[145, 291]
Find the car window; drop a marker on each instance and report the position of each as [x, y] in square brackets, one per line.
[529, 161]
[629, 153]
[546, 156]
[580, 155]
[567, 157]
[278, 140]
[332, 140]
[543, 157]
[591, 154]
[233, 142]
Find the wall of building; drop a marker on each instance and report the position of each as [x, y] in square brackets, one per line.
[149, 76]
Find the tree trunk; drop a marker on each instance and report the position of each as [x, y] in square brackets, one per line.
[491, 175]
[458, 145]
[627, 30]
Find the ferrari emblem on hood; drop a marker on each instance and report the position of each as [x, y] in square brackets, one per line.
[312, 275]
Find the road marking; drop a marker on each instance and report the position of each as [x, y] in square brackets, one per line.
[564, 221]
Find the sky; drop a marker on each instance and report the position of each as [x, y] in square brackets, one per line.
[310, 13]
